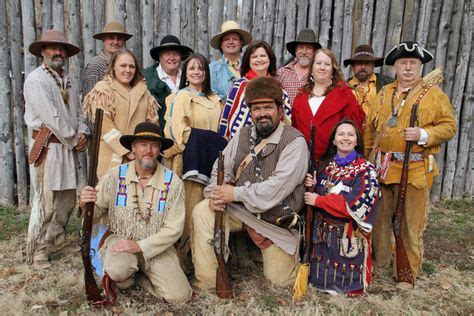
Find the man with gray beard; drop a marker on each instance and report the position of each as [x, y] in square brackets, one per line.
[54, 113]
[142, 205]
[295, 74]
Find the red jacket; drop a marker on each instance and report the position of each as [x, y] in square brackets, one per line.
[339, 104]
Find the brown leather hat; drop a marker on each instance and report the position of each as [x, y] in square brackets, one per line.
[305, 36]
[53, 37]
[364, 53]
[112, 28]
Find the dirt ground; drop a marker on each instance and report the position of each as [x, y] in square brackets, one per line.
[445, 285]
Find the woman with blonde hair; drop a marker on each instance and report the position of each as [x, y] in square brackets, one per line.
[126, 101]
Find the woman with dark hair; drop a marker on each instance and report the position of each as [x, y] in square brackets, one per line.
[258, 61]
[345, 199]
[192, 119]
[324, 101]
[126, 101]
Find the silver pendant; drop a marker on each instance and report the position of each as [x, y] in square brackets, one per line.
[392, 122]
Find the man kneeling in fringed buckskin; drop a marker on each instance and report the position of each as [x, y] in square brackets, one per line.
[267, 163]
[142, 205]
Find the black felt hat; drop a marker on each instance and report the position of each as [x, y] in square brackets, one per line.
[408, 49]
[170, 42]
[364, 53]
[146, 130]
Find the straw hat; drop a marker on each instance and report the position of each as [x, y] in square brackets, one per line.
[364, 53]
[230, 27]
[53, 37]
[112, 28]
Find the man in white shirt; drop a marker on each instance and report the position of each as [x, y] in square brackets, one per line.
[163, 78]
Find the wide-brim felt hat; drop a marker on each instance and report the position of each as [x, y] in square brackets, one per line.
[408, 49]
[113, 28]
[364, 53]
[146, 130]
[52, 37]
[230, 27]
[305, 36]
[170, 42]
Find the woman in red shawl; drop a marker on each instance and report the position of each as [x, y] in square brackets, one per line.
[324, 101]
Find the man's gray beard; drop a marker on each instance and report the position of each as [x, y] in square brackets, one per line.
[304, 61]
[147, 165]
[56, 64]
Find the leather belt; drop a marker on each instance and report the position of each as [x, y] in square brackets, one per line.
[52, 138]
[400, 156]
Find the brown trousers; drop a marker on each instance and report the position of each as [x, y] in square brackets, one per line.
[411, 228]
[278, 266]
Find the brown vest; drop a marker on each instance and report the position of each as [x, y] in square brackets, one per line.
[268, 159]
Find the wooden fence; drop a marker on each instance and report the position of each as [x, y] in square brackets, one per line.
[445, 27]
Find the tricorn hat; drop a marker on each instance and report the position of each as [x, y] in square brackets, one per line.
[408, 49]
[263, 89]
[112, 28]
[52, 37]
[305, 36]
[364, 53]
[230, 27]
[170, 42]
[146, 130]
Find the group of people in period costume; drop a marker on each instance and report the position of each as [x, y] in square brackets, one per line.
[161, 134]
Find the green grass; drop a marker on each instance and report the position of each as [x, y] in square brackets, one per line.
[12, 222]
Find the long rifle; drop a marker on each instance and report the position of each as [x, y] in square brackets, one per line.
[404, 272]
[92, 290]
[301, 282]
[223, 283]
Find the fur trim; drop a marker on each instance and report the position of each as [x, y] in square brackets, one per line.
[264, 88]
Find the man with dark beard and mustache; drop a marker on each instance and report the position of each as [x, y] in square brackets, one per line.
[142, 204]
[266, 162]
[295, 74]
[365, 83]
[54, 113]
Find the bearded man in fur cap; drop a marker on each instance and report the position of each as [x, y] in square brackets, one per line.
[263, 161]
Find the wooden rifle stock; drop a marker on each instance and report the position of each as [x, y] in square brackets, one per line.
[223, 283]
[404, 272]
[309, 209]
[92, 290]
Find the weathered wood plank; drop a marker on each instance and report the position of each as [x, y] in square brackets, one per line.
[216, 9]
[18, 104]
[423, 22]
[46, 15]
[175, 18]
[164, 20]
[269, 21]
[99, 21]
[302, 13]
[58, 15]
[279, 32]
[325, 23]
[313, 15]
[394, 28]
[432, 36]
[461, 12]
[147, 12]
[368, 8]
[246, 16]
[202, 33]
[412, 8]
[188, 24]
[382, 8]
[290, 28]
[88, 30]
[115, 10]
[338, 22]
[132, 26]
[230, 10]
[7, 166]
[346, 47]
[440, 59]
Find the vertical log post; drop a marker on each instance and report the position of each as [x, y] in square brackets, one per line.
[325, 23]
[202, 32]
[6, 149]
[279, 32]
[58, 15]
[88, 30]
[313, 16]
[132, 26]
[147, 7]
[290, 28]
[346, 47]
[269, 21]
[216, 10]
[46, 15]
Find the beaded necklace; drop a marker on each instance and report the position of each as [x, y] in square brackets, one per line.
[63, 85]
[146, 215]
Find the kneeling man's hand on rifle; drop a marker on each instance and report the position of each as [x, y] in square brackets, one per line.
[220, 196]
[88, 195]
